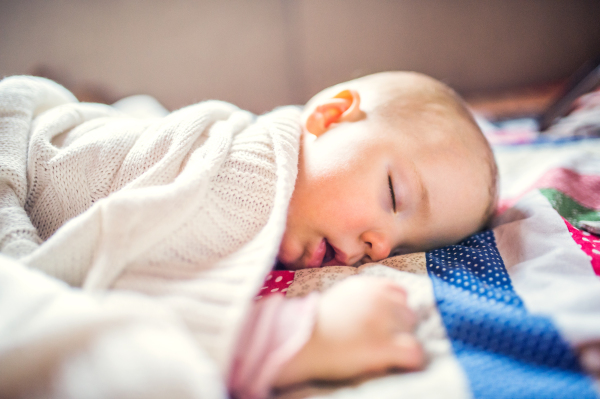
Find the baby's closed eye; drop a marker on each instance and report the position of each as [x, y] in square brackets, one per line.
[392, 194]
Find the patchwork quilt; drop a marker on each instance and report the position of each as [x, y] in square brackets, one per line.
[511, 312]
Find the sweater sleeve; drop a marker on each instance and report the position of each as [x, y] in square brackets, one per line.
[276, 330]
[21, 99]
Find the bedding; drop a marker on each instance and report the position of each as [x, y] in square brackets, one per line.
[510, 312]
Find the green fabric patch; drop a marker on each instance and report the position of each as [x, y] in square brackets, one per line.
[568, 208]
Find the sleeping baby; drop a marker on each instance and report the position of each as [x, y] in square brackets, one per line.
[388, 162]
[193, 209]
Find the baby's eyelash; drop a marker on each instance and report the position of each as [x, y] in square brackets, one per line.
[392, 192]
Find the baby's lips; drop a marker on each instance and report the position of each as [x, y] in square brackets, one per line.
[317, 256]
[340, 259]
[336, 261]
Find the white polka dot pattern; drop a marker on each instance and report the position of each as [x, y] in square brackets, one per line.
[505, 351]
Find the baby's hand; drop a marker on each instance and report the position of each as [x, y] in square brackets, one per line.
[363, 326]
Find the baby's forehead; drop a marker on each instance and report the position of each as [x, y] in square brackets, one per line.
[432, 129]
[448, 141]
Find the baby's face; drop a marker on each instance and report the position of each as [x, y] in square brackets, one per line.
[367, 187]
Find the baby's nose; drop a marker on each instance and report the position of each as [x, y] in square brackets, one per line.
[377, 246]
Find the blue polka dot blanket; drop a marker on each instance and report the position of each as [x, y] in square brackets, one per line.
[511, 312]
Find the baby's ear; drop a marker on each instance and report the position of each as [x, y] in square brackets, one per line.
[343, 107]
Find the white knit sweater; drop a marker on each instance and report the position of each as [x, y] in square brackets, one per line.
[189, 208]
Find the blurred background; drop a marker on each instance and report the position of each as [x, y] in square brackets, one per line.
[264, 53]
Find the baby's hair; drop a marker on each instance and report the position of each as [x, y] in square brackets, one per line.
[490, 210]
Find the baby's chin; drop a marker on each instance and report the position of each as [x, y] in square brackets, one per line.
[282, 264]
[286, 259]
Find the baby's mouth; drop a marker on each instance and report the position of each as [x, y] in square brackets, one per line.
[329, 253]
[322, 254]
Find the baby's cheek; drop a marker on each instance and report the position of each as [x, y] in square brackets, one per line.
[291, 247]
[353, 215]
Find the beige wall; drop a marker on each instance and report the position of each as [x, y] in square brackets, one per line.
[260, 54]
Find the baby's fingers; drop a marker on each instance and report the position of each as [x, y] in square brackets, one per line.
[405, 319]
[406, 353]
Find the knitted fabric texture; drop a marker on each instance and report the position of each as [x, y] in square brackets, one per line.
[189, 208]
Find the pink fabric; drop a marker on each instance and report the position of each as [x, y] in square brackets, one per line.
[276, 330]
[276, 281]
[589, 244]
[582, 188]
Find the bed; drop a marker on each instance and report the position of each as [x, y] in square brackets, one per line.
[513, 311]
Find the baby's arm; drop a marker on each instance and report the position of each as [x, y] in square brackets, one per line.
[359, 326]
[362, 326]
[276, 330]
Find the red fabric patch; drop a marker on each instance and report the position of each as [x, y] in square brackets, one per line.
[581, 188]
[276, 281]
[589, 244]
